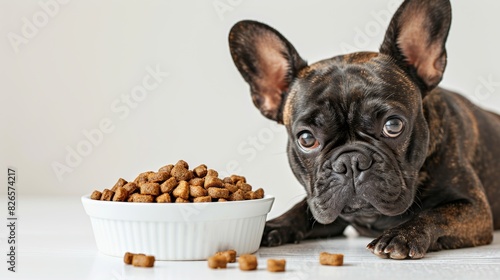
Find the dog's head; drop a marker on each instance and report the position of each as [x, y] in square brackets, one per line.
[356, 127]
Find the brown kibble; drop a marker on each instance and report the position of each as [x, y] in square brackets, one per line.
[218, 193]
[131, 187]
[143, 260]
[244, 186]
[236, 178]
[120, 183]
[107, 195]
[197, 182]
[213, 182]
[182, 190]
[232, 188]
[276, 265]
[248, 195]
[257, 194]
[183, 164]
[181, 173]
[176, 183]
[142, 178]
[168, 185]
[96, 195]
[121, 194]
[212, 173]
[238, 195]
[158, 177]
[247, 262]
[203, 199]
[217, 261]
[230, 255]
[131, 197]
[150, 188]
[146, 198]
[331, 259]
[128, 258]
[167, 168]
[200, 171]
[197, 191]
[181, 200]
[164, 198]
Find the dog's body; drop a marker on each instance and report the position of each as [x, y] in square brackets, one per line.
[375, 142]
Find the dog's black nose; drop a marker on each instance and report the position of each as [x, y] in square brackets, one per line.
[352, 164]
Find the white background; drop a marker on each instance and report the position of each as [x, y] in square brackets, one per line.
[71, 66]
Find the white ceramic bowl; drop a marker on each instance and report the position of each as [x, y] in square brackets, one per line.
[178, 231]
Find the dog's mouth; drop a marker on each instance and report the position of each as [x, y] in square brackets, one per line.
[327, 208]
[358, 208]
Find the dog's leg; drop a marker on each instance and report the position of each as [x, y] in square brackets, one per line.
[460, 223]
[297, 224]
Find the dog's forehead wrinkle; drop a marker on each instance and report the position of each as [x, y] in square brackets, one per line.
[346, 111]
[353, 94]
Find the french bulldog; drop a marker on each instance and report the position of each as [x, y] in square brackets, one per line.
[373, 140]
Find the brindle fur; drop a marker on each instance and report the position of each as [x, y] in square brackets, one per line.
[434, 187]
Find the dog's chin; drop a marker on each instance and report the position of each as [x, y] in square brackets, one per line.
[325, 211]
[324, 217]
[338, 201]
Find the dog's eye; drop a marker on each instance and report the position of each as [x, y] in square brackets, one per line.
[393, 127]
[307, 141]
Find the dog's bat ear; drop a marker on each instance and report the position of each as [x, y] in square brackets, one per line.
[416, 38]
[267, 62]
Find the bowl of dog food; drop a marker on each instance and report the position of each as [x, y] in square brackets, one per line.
[177, 213]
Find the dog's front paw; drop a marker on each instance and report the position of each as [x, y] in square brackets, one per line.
[400, 244]
[278, 233]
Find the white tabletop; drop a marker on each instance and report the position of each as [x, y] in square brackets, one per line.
[55, 241]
